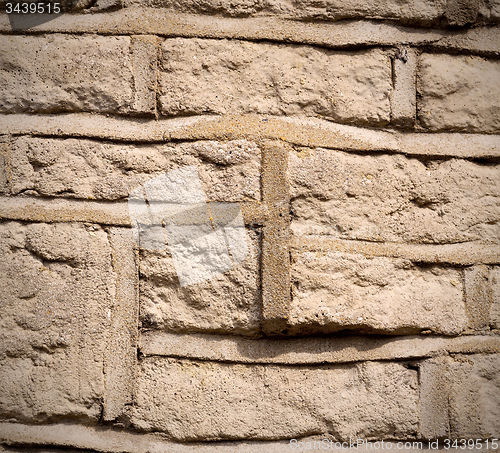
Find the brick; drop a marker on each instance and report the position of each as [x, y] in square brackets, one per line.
[478, 296]
[60, 73]
[209, 400]
[495, 297]
[145, 61]
[459, 93]
[393, 198]
[403, 97]
[94, 170]
[4, 189]
[474, 382]
[56, 289]
[232, 77]
[226, 303]
[334, 291]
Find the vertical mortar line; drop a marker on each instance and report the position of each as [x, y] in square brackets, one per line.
[276, 239]
[121, 350]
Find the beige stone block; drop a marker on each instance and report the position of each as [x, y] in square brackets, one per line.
[93, 170]
[56, 289]
[334, 291]
[475, 396]
[494, 279]
[4, 188]
[208, 400]
[145, 61]
[226, 303]
[60, 73]
[393, 198]
[478, 296]
[459, 93]
[403, 96]
[232, 77]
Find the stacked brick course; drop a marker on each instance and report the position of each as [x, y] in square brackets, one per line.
[361, 142]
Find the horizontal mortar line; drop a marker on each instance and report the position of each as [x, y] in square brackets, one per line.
[312, 132]
[51, 210]
[310, 350]
[462, 254]
[334, 34]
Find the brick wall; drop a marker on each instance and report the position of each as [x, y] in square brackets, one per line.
[360, 140]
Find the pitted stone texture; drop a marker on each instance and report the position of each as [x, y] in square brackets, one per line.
[393, 198]
[423, 12]
[227, 303]
[459, 93]
[495, 296]
[94, 170]
[235, 77]
[59, 73]
[337, 291]
[56, 288]
[474, 396]
[209, 400]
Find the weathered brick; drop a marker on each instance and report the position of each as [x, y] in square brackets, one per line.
[393, 198]
[226, 303]
[65, 73]
[232, 77]
[459, 93]
[208, 400]
[334, 291]
[56, 289]
[494, 279]
[474, 382]
[95, 170]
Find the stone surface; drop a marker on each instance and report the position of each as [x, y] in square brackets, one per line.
[95, 170]
[61, 73]
[478, 296]
[403, 96]
[227, 303]
[56, 289]
[334, 291]
[495, 297]
[393, 198]
[208, 400]
[423, 12]
[459, 93]
[474, 382]
[232, 77]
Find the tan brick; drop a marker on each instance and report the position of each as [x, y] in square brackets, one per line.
[459, 93]
[226, 303]
[56, 289]
[65, 73]
[93, 170]
[475, 396]
[333, 291]
[393, 198]
[231, 77]
[208, 400]
[494, 279]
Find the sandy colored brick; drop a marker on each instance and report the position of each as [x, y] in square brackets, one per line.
[227, 303]
[459, 93]
[95, 170]
[208, 400]
[234, 77]
[495, 297]
[393, 198]
[334, 291]
[63, 73]
[474, 382]
[56, 289]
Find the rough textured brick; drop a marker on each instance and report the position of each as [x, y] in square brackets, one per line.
[55, 290]
[65, 73]
[88, 169]
[423, 12]
[230, 77]
[393, 198]
[207, 400]
[459, 93]
[334, 291]
[474, 382]
[495, 296]
[226, 303]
